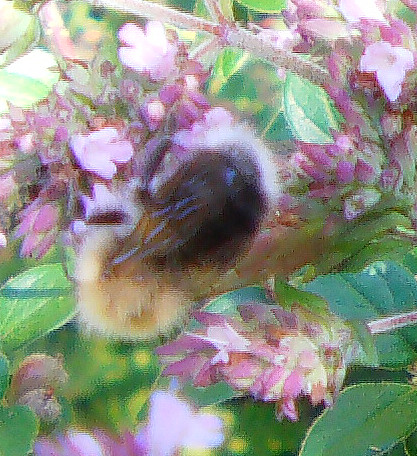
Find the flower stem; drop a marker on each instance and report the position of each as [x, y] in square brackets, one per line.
[389, 324]
[228, 34]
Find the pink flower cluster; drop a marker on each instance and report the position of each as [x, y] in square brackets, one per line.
[269, 353]
[351, 163]
[100, 151]
[387, 45]
[173, 425]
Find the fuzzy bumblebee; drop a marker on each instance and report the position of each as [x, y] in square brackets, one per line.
[143, 261]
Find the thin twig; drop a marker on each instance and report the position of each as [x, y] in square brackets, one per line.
[228, 33]
[246, 40]
[385, 325]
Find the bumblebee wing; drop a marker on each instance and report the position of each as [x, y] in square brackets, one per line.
[204, 214]
[173, 217]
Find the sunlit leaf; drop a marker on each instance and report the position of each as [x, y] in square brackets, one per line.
[367, 419]
[309, 111]
[33, 303]
[229, 62]
[267, 6]
[18, 32]
[382, 289]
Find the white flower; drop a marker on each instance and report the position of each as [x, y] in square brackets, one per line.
[147, 51]
[390, 63]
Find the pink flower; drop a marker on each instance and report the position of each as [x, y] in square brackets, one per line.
[214, 118]
[73, 443]
[390, 63]
[355, 10]
[3, 240]
[39, 227]
[7, 185]
[148, 51]
[269, 353]
[105, 200]
[359, 202]
[174, 425]
[100, 150]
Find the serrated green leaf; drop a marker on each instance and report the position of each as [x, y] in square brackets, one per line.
[366, 419]
[34, 303]
[4, 374]
[383, 288]
[266, 6]
[309, 111]
[18, 430]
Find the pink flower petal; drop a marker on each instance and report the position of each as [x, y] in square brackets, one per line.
[355, 10]
[390, 64]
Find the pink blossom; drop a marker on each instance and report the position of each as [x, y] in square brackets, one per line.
[100, 150]
[355, 10]
[38, 220]
[174, 425]
[154, 113]
[330, 29]
[103, 200]
[390, 63]
[3, 240]
[214, 118]
[359, 202]
[225, 338]
[7, 185]
[148, 51]
[73, 443]
[345, 171]
[270, 353]
[39, 226]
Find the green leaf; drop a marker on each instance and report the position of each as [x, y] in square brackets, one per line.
[309, 111]
[288, 295]
[228, 63]
[275, 127]
[227, 303]
[366, 419]
[411, 444]
[383, 288]
[18, 430]
[20, 90]
[4, 374]
[210, 395]
[18, 32]
[266, 6]
[34, 303]
[359, 235]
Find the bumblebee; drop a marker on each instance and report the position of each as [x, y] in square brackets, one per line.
[143, 262]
